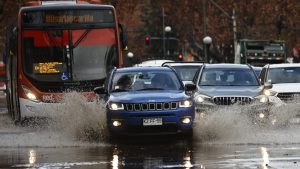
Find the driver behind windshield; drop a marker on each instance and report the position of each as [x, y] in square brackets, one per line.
[124, 83]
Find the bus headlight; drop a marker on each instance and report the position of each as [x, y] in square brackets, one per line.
[185, 103]
[29, 94]
[115, 106]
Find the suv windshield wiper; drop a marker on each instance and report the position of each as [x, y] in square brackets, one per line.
[119, 90]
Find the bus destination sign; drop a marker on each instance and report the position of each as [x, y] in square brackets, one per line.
[69, 19]
[48, 67]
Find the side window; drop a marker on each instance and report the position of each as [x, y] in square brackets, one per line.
[263, 75]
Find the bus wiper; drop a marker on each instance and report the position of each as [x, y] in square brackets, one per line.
[86, 32]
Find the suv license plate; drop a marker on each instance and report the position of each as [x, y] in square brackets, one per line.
[152, 122]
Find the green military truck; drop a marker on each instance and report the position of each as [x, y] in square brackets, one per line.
[261, 52]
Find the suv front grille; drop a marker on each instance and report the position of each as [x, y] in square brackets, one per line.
[288, 96]
[231, 100]
[153, 106]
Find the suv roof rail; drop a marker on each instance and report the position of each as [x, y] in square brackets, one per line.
[164, 64]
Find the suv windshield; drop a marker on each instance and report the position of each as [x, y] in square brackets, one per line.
[284, 75]
[186, 73]
[228, 77]
[150, 80]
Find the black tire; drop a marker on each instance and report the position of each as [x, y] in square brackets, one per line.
[8, 89]
[16, 104]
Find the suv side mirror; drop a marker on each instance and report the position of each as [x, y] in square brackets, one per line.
[190, 87]
[268, 85]
[100, 90]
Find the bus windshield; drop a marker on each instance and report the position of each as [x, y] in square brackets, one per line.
[68, 55]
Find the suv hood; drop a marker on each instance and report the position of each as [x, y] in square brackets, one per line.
[148, 96]
[286, 87]
[232, 91]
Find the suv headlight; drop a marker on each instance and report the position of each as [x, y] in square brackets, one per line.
[262, 98]
[115, 106]
[269, 92]
[186, 103]
[202, 98]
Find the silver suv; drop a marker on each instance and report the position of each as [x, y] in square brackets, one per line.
[228, 84]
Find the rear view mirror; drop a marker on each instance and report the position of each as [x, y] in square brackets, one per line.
[100, 90]
[268, 85]
[190, 87]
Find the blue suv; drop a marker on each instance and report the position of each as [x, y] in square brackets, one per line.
[147, 101]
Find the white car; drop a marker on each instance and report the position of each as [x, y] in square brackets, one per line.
[158, 62]
[285, 80]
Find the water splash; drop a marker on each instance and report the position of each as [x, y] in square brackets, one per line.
[80, 119]
[76, 122]
[231, 125]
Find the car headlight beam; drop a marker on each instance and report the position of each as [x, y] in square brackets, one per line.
[264, 99]
[185, 103]
[115, 106]
[201, 98]
[269, 92]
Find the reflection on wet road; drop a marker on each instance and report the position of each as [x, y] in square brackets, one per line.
[174, 155]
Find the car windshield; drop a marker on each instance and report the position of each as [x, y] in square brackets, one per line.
[186, 73]
[284, 75]
[145, 80]
[228, 77]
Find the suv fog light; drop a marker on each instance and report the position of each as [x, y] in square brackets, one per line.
[186, 120]
[116, 123]
[274, 121]
[261, 115]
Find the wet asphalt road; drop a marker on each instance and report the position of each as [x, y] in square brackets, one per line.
[224, 141]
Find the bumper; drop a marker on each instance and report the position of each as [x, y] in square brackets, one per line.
[132, 122]
[254, 111]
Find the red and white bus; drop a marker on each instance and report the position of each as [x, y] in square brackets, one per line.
[57, 47]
